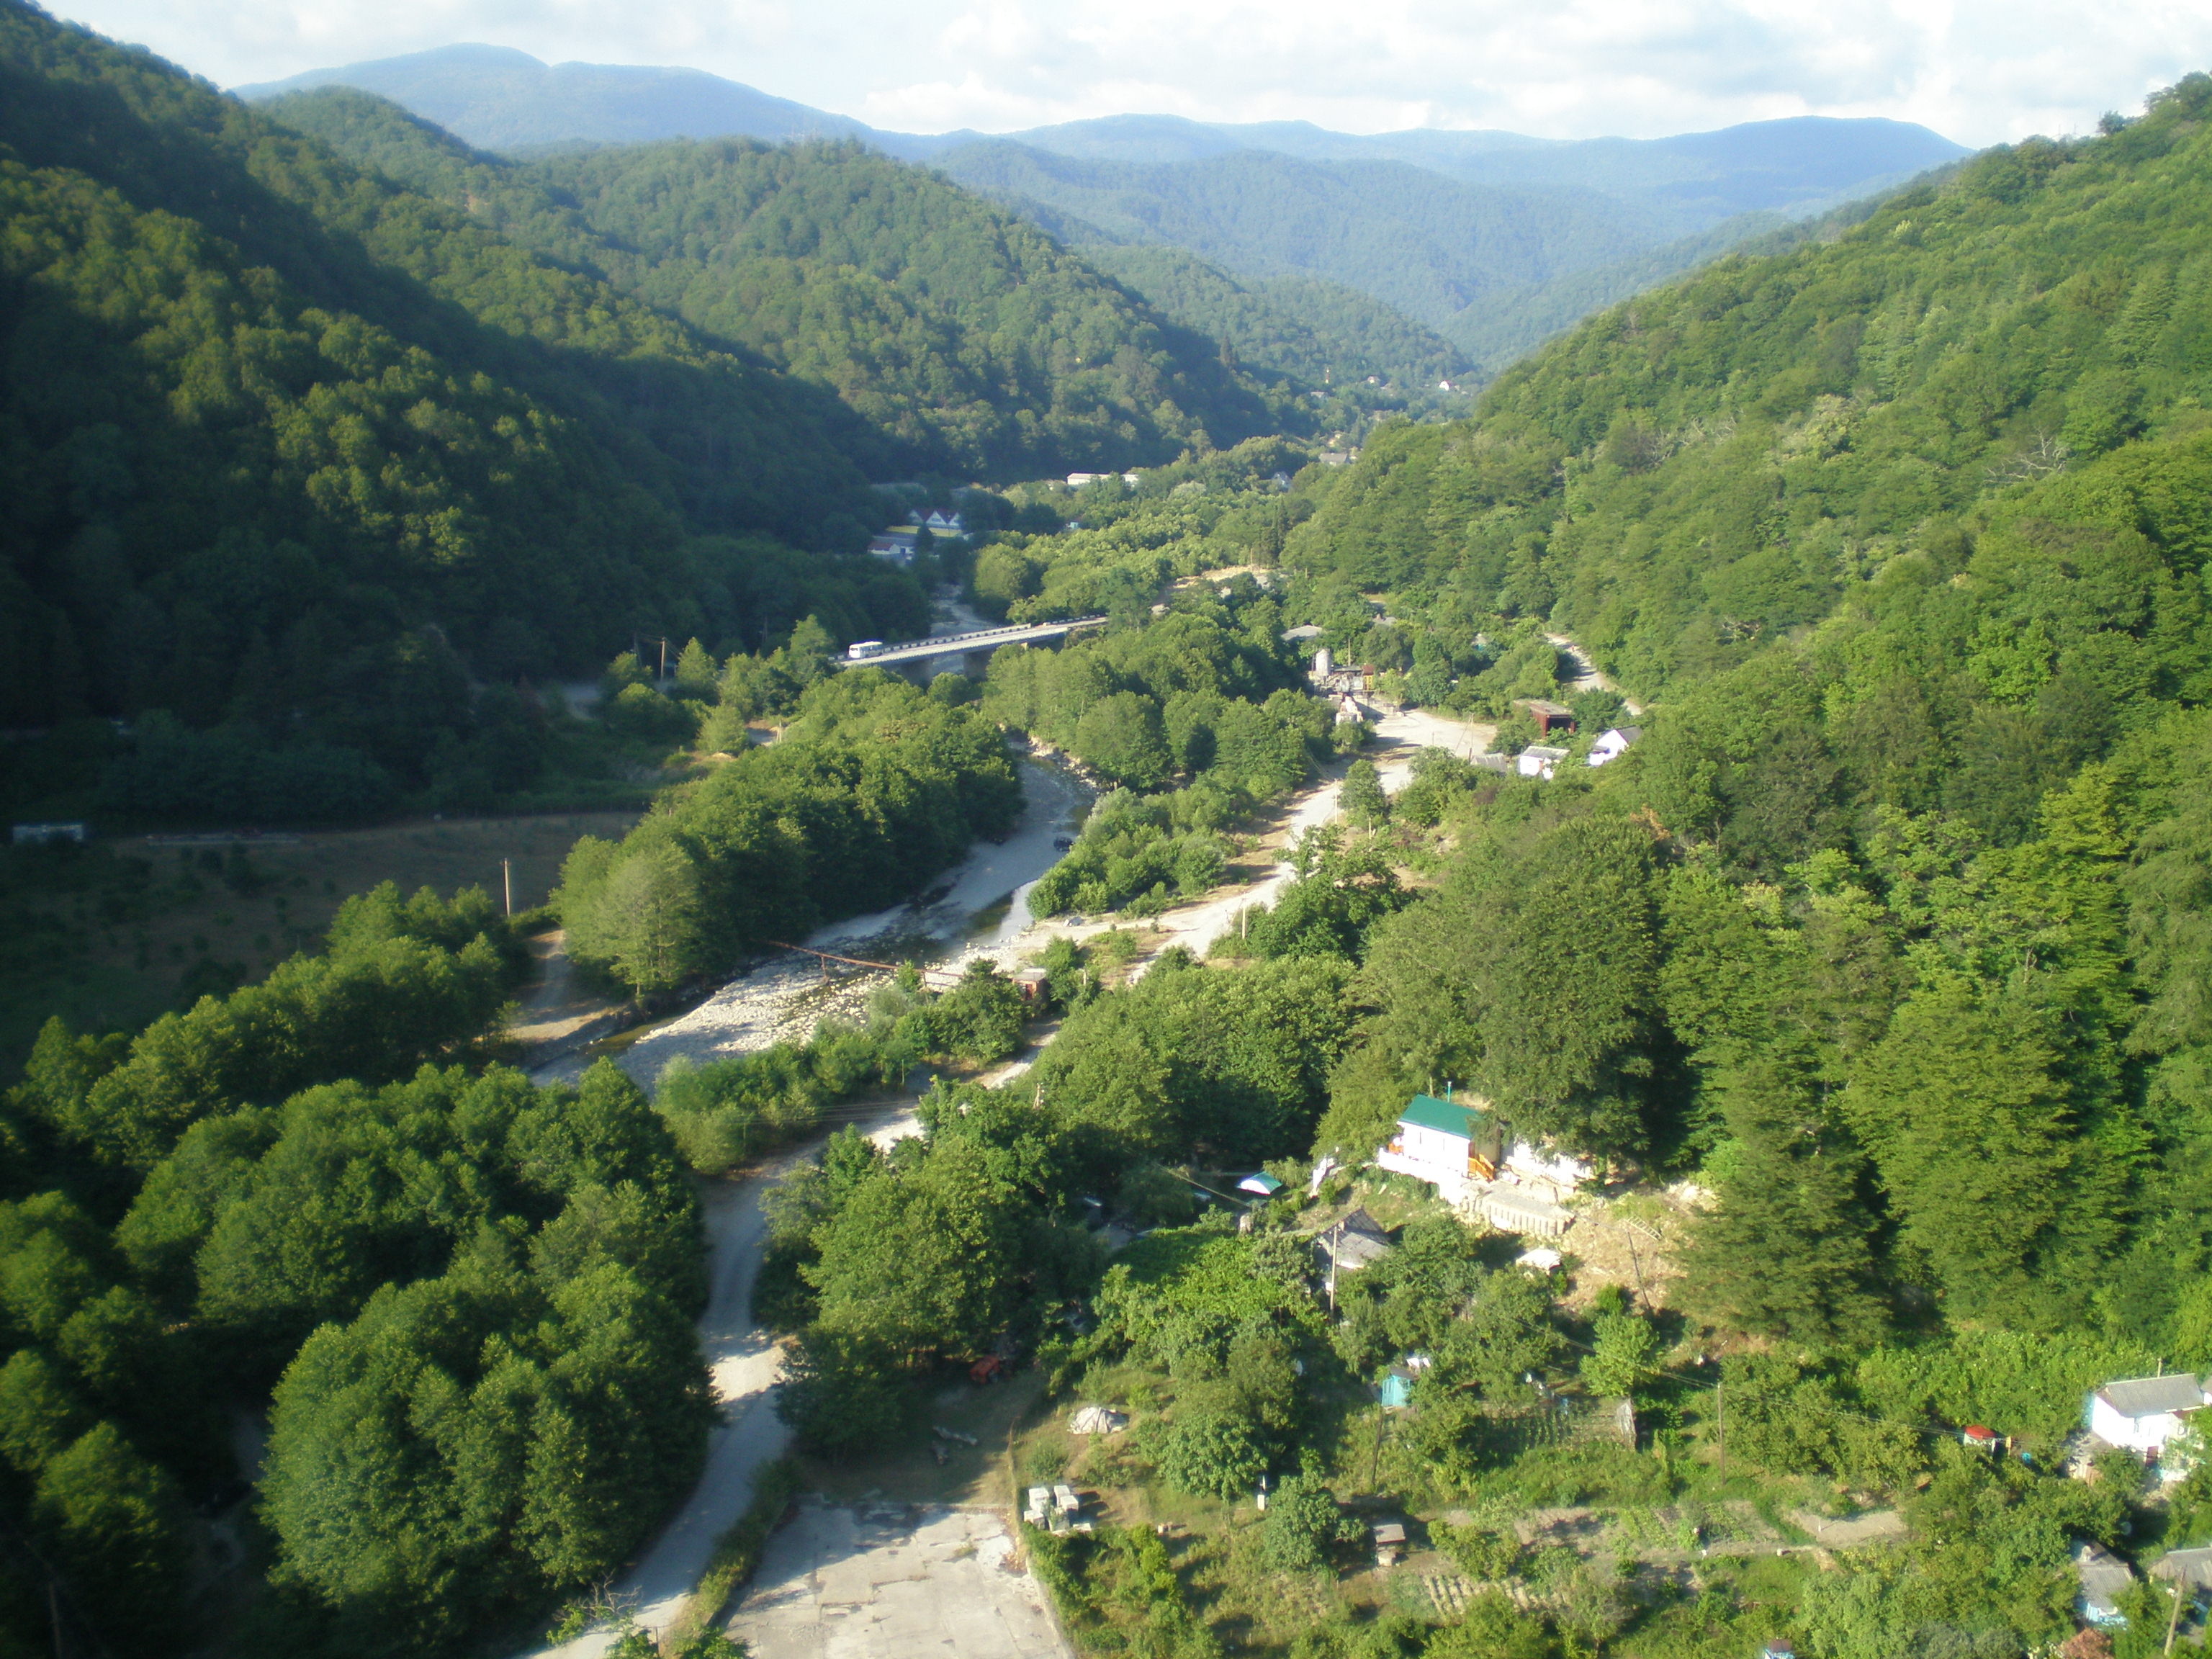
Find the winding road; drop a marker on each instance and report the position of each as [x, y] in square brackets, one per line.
[746, 1015]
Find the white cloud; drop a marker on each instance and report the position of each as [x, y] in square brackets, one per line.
[1981, 71]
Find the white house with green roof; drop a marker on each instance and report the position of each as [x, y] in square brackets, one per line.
[1455, 1148]
[1440, 1142]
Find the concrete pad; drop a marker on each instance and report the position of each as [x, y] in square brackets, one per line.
[882, 1580]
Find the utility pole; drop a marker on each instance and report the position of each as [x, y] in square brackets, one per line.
[2173, 1620]
[1720, 1411]
[507, 880]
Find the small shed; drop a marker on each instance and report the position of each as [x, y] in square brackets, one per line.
[1033, 983]
[1396, 1388]
[1389, 1543]
[1354, 1242]
[1538, 761]
[2102, 1578]
[2142, 1413]
[1260, 1185]
[1549, 716]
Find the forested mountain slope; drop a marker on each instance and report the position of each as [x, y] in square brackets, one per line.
[969, 342]
[2014, 359]
[1427, 245]
[1907, 535]
[289, 447]
[503, 98]
[1312, 330]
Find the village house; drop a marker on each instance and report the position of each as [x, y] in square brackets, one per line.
[899, 543]
[939, 523]
[2101, 1578]
[1458, 1150]
[1537, 761]
[2142, 1413]
[1351, 1244]
[1612, 743]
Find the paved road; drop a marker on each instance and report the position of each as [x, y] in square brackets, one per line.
[944, 645]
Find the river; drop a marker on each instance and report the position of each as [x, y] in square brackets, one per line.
[977, 908]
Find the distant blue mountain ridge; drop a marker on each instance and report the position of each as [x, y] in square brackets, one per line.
[1494, 241]
[500, 99]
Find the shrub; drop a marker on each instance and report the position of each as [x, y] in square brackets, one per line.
[1213, 1454]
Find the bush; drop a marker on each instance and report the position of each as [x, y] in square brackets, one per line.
[1303, 1523]
[638, 711]
[1213, 1454]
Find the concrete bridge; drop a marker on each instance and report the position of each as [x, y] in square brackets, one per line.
[974, 648]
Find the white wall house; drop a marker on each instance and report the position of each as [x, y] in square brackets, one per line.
[1435, 1143]
[1538, 761]
[1443, 1143]
[2142, 1413]
[1612, 743]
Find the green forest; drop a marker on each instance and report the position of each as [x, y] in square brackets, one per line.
[1867, 979]
[963, 340]
[301, 458]
[1317, 333]
[464, 1301]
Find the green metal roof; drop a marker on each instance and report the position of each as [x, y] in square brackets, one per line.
[1427, 1112]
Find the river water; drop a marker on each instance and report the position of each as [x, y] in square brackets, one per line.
[979, 909]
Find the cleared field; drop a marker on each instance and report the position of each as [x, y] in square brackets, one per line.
[111, 936]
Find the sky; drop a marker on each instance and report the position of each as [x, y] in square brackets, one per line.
[1980, 71]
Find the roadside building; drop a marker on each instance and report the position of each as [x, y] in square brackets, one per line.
[1612, 743]
[2142, 1413]
[1549, 716]
[899, 546]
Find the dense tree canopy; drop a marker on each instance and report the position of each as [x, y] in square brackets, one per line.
[963, 339]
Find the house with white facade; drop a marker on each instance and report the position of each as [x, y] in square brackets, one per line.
[941, 523]
[2142, 1413]
[1612, 743]
[1447, 1145]
[1457, 1149]
[1538, 761]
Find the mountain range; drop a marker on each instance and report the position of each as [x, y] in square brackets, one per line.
[1486, 242]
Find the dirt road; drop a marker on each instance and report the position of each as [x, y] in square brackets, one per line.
[775, 998]
[743, 1363]
[1591, 677]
